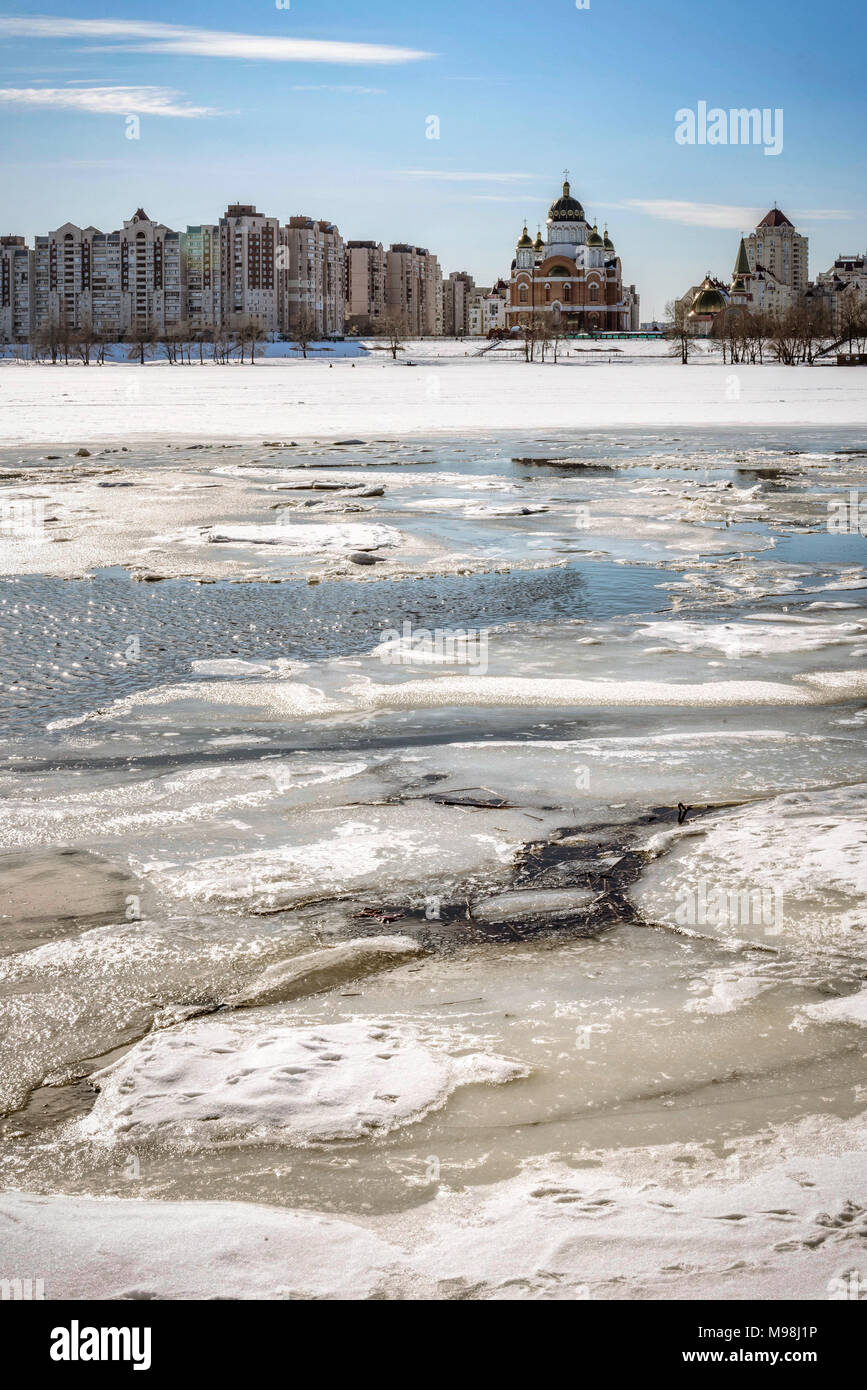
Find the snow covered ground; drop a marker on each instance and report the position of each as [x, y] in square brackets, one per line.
[334, 395]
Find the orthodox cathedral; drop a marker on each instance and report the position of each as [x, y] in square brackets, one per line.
[573, 279]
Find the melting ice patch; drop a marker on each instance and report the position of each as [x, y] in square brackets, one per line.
[772, 634]
[347, 850]
[217, 1082]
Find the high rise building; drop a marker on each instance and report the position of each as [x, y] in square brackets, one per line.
[148, 280]
[776, 246]
[414, 290]
[312, 273]
[115, 283]
[457, 292]
[152, 290]
[249, 281]
[365, 277]
[63, 268]
[200, 257]
[16, 283]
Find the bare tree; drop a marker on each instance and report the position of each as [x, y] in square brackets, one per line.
[302, 332]
[680, 330]
[852, 318]
[84, 340]
[48, 339]
[142, 336]
[530, 332]
[201, 336]
[394, 331]
[256, 334]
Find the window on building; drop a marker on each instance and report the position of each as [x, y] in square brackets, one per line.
[523, 294]
[567, 292]
[593, 293]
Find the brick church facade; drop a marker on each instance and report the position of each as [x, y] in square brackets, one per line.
[573, 279]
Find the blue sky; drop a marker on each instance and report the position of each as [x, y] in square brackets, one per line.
[327, 114]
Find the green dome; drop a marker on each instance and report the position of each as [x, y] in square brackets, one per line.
[709, 299]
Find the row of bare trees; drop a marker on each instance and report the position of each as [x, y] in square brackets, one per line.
[180, 344]
[796, 336]
[542, 335]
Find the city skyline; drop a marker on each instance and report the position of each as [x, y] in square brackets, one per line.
[331, 113]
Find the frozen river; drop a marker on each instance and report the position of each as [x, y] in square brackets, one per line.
[345, 880]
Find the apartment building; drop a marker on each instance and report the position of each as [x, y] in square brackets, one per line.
[414, 290]
[117, 283]
[16, 283]
[200, 258]
[457, 291]
[152, 289]
[486, 311]
[843, 291]
[147, 278]
[249, 280]
[312, 274]
[365, 277]
[776, 246]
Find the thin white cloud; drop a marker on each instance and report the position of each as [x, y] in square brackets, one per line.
[206, 43]
[461, 177]
[724, 216]
[823, 215]
[338, 87]
[518, 199]
[107, 101]
[720, 215]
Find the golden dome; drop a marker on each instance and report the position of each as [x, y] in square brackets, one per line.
[594, 238]
[526, 241]
[709, 300]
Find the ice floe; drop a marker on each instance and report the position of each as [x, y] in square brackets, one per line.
[243, 1081]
